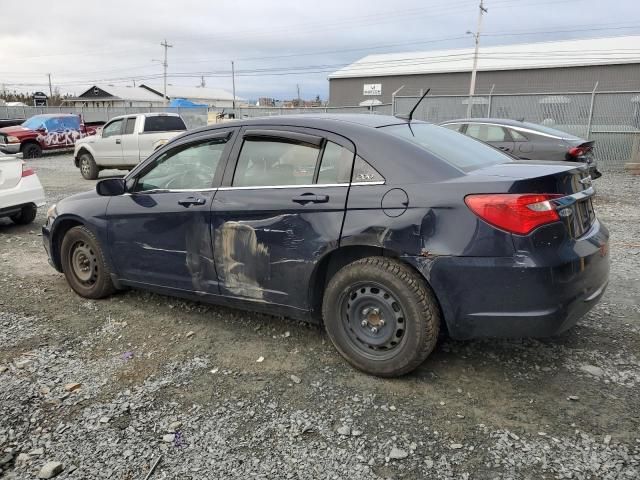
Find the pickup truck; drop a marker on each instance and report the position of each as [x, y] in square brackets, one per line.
[43, 133]
[125, 141]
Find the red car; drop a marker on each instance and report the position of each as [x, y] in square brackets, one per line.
[43, 133]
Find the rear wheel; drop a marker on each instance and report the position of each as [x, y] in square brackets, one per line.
[84, 265]
[26, 215]
[88, 167]
[381, 316]
[31, 150]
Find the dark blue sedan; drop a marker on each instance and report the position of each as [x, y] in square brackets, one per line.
[386, 230]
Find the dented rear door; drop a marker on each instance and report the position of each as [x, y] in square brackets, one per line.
[279, 210]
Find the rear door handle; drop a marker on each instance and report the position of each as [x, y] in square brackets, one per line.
[188, 201]
[310, 198]
[118, 141]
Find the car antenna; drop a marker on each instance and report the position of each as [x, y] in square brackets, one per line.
[410, 116]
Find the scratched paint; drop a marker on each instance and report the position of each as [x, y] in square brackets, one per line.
[245, 261]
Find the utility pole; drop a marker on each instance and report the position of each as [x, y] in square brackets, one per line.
[50, 89]
[202, 84]
[472, 86]
[165, 65]
[233, 83]
[298, 87]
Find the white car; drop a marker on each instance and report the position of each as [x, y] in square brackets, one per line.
[125, 141]
[21, 192]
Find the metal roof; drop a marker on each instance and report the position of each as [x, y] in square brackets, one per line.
[132, 94]
[565, 53]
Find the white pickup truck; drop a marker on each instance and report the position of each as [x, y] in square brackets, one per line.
[125, 141]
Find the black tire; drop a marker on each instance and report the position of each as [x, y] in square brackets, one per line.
[26, 215]
[88, 168]
[84, 265]
[396, 293]
[31, 150]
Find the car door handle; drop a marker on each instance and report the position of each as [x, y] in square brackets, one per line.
[118, 141]
[310, 198]
[188, 201]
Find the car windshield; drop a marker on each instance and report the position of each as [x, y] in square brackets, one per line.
[34, 122]
[459, 150]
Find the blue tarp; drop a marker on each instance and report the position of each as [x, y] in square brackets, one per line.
[184, 103]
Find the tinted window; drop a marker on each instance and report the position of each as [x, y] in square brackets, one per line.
[54, 124]
[112, 128]
[486, 133]
[161, 123]
[273, 162]
[129, 126]
[458, 150]
[187, 167]
[453, 126]
[363, 172]
[336, 164]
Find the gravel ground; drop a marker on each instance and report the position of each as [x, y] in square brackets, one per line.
[108, 387]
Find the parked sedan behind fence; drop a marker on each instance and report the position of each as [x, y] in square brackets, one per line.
[528, 141]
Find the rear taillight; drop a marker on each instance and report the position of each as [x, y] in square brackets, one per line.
[515, 213]
[26, 170]
[576, 151]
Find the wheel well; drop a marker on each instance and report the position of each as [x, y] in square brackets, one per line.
[329, 266]
[56, 240]
[76, 158]
[29, 142]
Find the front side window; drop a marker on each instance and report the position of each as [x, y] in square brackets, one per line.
[112, 128]
[267, 162]
[486, 133]
[336, 164]
[54, 124]
[190, 167]
[71, 123]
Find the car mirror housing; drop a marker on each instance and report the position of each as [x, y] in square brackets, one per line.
[111, 187]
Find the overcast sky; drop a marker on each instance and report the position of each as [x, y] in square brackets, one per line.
[275, 45]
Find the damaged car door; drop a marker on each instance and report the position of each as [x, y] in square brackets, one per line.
[279, 209]
[159, 231]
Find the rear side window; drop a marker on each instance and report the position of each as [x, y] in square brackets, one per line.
[129, 126]
[517, 136]
[365, 173]
[458, 150]
[161, 123]
[336, 164]
[486, 133]
[275, 163]
[456, 127]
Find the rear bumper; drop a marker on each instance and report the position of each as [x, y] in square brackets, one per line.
[524, 295]
[28, 191]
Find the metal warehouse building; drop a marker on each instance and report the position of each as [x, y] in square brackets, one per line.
[559, 66]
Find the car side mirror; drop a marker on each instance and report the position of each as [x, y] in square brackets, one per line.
[41, 130]
[111, 187]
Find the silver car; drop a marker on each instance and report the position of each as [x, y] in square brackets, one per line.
[528, 141]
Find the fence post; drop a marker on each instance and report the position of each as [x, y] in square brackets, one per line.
[490, 100]
[590, 121]
[393, 101]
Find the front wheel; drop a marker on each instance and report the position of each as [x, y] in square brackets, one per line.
[84, 265]
[88, 167]
[31, 150]
[381, 316]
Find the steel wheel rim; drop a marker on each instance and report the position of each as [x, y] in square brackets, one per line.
[373, 320]
[84, 263]
[84, 166]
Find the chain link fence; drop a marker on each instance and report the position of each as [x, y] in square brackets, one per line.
[612, 119]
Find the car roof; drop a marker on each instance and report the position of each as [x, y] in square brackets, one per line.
[54, 115]
[306, 119]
